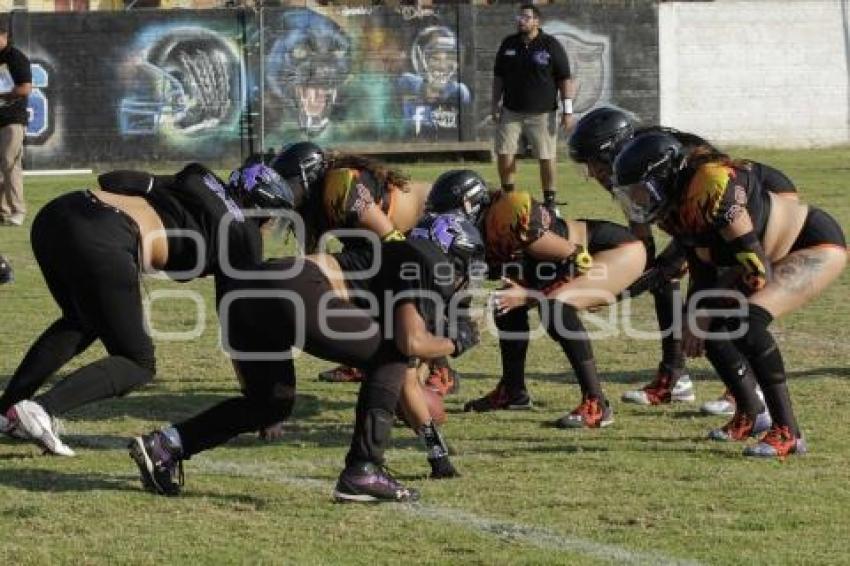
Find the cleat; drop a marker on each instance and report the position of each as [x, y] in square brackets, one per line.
[724, 405]
[499, 399]
[160, 463]
[443, 380]
[30, 421]
[742, 427]
[342, 374]
[660, 392]
[442, 468]
[7, 274]
[590, 414]
[366, 482]
[779, 442]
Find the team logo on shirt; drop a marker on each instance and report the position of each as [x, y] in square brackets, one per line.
[510, 52]
[740, 194]
[541, 57]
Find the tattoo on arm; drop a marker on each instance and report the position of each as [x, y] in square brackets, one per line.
[798, 272]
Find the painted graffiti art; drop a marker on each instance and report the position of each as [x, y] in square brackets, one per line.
[188, 81]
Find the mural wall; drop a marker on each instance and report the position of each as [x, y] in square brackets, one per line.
[157, 86]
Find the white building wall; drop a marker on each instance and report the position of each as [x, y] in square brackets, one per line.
[767, 73]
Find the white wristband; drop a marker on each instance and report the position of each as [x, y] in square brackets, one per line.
[567, 105]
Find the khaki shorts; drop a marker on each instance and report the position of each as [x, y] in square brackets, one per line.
[541, 131]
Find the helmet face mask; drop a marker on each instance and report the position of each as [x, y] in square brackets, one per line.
[644, 175]
[643, 201]
[304, 161]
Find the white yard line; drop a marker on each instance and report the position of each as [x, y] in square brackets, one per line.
[517, 532]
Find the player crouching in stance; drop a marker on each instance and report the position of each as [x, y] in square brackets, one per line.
[92, 246]
[300, 302]
[564, 266]
[777, 251]
[594, 143]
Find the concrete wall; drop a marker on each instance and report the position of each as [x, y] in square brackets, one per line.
[768, 73]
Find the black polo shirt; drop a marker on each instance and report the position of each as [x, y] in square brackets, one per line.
[530, 72]
[14, 70]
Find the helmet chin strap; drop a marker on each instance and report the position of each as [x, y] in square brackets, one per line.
[299, 194]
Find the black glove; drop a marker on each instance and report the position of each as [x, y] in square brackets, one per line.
[649, 280]
[464, 335]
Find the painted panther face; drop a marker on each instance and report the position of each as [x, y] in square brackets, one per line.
[307, 66]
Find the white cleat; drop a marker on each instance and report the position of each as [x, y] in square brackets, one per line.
[723, 405]
[659, 391]
[32, 420]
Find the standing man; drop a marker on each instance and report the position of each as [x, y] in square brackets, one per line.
[16, 85]
[531, 83]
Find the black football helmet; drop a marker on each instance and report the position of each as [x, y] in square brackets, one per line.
[260, 186]
[645, 171]
[304, 161]
[599, 134]
[456, 236]
[461, 190]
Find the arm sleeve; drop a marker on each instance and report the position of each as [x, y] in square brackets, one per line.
[127, 182]
[20, 69]
[560, 61]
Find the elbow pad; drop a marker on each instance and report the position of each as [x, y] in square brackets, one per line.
[751, 257]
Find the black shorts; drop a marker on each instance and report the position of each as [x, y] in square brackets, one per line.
[820, 229]
[603, 235]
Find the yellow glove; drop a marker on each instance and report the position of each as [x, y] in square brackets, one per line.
[393, 236]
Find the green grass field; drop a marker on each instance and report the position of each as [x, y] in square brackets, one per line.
[650, 489]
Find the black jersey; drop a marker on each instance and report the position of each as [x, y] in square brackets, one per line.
[711, 199]
[16, 68]
[204, 224]
[530, 72]
[414, 270]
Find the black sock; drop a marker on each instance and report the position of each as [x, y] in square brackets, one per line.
[668, 302]
[110, 377]
[434, 443]
[513, 349]
[507, 187]
[733, 369]
[764, 357]
[566, 328]
[228, 419]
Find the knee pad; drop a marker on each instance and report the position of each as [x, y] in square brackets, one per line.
[757, 341]
[513, 321]
[759, 347]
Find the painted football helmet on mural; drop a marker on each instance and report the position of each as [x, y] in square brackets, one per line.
[191, 81]
[307, 65]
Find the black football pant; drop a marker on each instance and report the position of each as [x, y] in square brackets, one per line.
[88, 254]
[261, 321]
